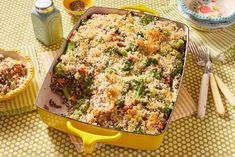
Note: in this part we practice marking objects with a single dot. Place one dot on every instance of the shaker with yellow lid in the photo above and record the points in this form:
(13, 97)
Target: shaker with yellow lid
(47, 22)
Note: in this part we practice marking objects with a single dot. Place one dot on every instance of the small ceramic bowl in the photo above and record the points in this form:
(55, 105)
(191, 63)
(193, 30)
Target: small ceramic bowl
(69, 6)
(212, 11)
(204, 25)
(17, 55)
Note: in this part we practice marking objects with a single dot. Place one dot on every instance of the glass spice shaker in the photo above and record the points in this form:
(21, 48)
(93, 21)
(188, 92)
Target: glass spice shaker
(47, 22)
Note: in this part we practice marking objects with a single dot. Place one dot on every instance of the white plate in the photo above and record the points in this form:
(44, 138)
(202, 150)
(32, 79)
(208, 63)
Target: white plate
(203, 25)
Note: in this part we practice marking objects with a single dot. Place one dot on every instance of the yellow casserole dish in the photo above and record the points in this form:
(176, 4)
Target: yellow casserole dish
(54, 116)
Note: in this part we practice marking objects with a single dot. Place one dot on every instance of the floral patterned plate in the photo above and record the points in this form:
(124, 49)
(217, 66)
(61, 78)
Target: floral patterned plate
(213, 11)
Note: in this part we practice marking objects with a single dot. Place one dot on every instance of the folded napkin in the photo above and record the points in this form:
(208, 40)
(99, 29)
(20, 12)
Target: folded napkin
(24, 102)
(185, 105)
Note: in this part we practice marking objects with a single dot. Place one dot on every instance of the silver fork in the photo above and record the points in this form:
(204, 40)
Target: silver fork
(214, 89)
(202, 59)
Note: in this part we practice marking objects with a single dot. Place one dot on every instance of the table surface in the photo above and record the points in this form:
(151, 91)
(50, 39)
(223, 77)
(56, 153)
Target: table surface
(27, 135)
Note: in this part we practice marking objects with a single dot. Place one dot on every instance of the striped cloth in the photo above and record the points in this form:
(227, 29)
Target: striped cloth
(185, 105)
(25, 101)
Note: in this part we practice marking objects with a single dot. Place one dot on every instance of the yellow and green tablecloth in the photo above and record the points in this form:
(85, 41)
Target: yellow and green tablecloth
(26, 135)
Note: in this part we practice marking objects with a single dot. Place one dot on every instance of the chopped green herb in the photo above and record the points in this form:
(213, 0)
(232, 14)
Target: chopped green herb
(128, 65)
(156, 74)
(66, 93)
(140, 34)
(107, 63)
(178, 69)
(145, 20)
(149, 61)
(122, 53)
(109, 50)
(136, 84)
(130, 27)
(82, 105)
(59, 69)
(120, 103)
(145, 104)
(116, 127)
(153, 92)
(78, 113)
(110, 70)
(71, 45)
(141, 91)
(101, 40)
(170, 50)
(140, 129)
(179, 56)
(80, 102)
(88, 82)
(115, 51)
(179, 43)
(131, 47)
(83, 22)
(85, 107)
(112, 26)
(126, 88)
(159, 52)
(167, 107)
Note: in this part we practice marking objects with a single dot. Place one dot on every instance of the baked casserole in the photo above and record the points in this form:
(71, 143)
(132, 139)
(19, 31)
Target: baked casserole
(121, 72)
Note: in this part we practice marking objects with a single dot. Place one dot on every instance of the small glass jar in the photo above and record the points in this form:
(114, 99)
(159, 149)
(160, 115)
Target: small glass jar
(47, 22)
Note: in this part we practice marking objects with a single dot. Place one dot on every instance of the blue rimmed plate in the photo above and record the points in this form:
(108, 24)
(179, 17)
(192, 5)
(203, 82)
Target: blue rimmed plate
(212, 11)
(202, 24)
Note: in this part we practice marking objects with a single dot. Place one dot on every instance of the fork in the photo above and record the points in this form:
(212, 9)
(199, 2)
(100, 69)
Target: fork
(215, 91)
(202, 59)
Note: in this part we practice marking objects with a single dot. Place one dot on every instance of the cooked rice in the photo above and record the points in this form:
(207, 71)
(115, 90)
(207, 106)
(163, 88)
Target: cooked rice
(12, 74)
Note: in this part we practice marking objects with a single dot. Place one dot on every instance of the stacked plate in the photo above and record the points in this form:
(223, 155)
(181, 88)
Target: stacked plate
(208, 15)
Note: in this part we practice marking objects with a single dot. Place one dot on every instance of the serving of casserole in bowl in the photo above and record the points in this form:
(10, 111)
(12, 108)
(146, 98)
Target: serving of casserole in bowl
(116, 78)
(16, 73)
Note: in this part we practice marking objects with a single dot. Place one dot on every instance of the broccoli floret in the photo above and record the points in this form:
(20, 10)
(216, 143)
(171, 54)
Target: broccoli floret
(149, 61)
(128, 65)
(83, 22)
(115, 51)
(156, 74)
(139, 129)
(131, 47)
(178, 56)
(59, 69)
(167, 107)
(82, 105)
(140, 34)
(178, 69)
(71, 45)
(145, 20)
(66, 93)
(141, 90)
(179, 43)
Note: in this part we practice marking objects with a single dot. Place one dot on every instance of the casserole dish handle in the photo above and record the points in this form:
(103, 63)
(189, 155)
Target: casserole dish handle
(141, 8)
(90, 139)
